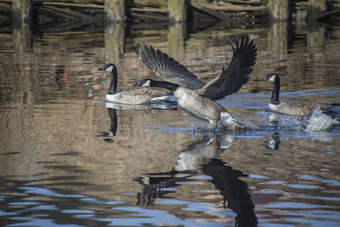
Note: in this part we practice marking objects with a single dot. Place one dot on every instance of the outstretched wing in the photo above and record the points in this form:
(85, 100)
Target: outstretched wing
(167, 68)
(232, 79)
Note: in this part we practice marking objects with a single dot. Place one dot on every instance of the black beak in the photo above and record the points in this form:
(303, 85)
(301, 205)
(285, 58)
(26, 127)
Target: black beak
(101, 69)
(263, 79)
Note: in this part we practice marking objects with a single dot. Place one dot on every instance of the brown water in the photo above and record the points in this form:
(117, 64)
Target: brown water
(68, 160)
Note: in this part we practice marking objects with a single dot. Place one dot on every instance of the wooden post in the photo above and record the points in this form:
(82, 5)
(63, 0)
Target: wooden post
(176, 11)
(115, 10)
(279, 9)
(21, 12)
(22, 21)
(315, 9)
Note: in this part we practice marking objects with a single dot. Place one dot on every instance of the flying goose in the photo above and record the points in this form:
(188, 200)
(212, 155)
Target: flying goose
(133, 95)
(192, 95)
(299, 107)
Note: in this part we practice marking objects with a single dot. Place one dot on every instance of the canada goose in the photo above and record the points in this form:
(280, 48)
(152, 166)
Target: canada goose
(199, 103)
(133, 95)
(300, 107)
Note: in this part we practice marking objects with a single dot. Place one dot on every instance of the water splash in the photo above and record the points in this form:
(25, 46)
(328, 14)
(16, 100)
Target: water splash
(250, 126)
(319, 121)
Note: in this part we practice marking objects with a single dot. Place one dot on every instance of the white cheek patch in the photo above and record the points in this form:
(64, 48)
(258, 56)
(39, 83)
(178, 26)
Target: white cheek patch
(272, 78)
(146, 84)
(109, 69)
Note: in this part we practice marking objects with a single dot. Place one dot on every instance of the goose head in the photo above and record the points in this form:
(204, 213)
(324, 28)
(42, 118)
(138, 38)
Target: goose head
(271, 77)
(143, 83)
(275, 79)
(107, 67)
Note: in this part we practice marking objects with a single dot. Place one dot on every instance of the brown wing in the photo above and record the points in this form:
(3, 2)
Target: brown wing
(300, 106)
(167, 68)
(237, 74)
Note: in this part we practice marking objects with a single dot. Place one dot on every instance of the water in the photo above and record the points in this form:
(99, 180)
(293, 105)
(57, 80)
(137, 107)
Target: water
(68, 158)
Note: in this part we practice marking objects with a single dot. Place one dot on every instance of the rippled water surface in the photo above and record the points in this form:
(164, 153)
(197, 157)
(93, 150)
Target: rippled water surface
(69, 158)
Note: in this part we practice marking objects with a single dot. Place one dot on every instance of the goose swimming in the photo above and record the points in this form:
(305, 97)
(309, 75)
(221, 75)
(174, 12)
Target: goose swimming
(299, 107)
(133, 95)
(192, 95)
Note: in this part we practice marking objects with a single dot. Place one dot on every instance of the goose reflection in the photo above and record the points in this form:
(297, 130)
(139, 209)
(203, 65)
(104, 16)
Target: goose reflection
(113, 126)
(274, 142)
(132, 109)
(202, 158)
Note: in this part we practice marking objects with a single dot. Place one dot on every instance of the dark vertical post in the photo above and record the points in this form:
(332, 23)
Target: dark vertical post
(21, 12)
(22, 23)
(279, 9)
(115, 10)
(176, 11)
(315, 9)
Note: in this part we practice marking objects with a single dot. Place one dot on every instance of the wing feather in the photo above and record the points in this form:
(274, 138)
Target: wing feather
(237, 74)
(166, 68)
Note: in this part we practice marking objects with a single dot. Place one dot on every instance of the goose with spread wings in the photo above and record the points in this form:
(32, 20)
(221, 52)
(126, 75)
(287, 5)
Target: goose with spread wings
(193, 96)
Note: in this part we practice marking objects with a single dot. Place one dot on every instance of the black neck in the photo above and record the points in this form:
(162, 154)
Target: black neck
(276, 91)
(113, 84)
(163, 84)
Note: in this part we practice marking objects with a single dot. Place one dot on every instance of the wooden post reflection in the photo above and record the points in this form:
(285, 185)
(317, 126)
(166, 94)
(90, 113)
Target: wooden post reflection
(176, 40)
(315, 9)
(277, 40)
(22, 38)
(317, 57)
(315, 39)
(114, 41)
(278, 9)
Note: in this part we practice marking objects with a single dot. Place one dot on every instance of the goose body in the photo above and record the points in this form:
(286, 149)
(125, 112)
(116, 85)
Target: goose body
(295, 107)
(196, 101)
(203, 108)
(192, 102)
(136, 95)
(298, 107)
(133, 95)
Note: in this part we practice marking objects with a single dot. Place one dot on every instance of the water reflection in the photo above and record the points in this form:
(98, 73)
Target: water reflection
(138, 110)
(57, 170)
(274, 142)
(113, 126)
(114, 41)
(202, 157)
